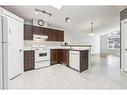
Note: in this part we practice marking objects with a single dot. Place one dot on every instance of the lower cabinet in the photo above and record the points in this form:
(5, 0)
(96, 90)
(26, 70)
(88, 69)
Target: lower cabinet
(84, 62)
(29, 60)
(64, 56)
(59, 56)
(54, 55)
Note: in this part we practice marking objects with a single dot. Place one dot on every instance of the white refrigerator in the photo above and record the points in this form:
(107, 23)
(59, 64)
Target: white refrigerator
(11, 47)
(1, 65)
(3, 59)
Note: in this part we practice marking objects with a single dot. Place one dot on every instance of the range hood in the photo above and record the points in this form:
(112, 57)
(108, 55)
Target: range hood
(39, 37)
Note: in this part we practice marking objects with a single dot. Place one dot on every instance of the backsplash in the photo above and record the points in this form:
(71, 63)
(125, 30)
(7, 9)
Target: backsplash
(28, 43)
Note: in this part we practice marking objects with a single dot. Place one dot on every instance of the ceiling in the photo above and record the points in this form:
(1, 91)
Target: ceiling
(105, 18)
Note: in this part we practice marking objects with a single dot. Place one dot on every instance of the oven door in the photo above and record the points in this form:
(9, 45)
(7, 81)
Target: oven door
(41, 55)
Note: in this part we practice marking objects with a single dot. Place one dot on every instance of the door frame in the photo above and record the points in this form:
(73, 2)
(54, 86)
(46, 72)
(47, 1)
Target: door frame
(122, 44)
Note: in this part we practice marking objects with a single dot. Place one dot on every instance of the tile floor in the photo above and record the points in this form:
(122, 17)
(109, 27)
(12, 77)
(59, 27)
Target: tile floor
(104, 74)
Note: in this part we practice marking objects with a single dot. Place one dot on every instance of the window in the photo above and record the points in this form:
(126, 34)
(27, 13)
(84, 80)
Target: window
(113, 40)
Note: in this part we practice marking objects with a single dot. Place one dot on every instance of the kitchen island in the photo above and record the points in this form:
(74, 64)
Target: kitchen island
(75, 57)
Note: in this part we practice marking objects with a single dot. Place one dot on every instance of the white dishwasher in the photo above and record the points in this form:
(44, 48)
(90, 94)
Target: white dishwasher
(74, 61)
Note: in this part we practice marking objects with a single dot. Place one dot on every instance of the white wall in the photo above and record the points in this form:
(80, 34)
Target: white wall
(103, 47)
(77, 37)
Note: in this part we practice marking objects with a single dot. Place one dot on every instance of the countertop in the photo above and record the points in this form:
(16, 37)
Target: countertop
(78, 45)
(77, 48)
(28, 48)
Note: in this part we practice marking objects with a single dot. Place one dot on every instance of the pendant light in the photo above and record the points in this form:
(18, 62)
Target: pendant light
(91, 29)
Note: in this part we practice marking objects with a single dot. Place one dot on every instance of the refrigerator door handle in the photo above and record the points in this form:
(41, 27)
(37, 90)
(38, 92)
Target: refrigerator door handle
(9, 31)
(20, 50)
(4, 50)
(1, 65)
(5, 29)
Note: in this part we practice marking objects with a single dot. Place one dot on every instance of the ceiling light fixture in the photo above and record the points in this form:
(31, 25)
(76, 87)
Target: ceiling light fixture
(91, 29)
(57, 6)
(67, 19)
(42, 11)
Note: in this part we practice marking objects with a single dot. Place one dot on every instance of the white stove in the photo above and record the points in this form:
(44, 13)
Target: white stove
(42, 56)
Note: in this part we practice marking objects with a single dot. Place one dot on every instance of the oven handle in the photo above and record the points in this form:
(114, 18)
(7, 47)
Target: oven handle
(42, 60)
(36, 49)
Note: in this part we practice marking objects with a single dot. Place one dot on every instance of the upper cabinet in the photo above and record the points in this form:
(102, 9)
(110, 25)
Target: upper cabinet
(28, 32)
(39, 30)
(61, 36)
(53, 34)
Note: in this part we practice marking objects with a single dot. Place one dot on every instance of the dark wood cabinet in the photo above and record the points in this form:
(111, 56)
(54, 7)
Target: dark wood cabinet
(64, 56)
(61, 36)
(84, 56)
(53, 34)
(54, 56)
(39, 30)
(59, 56)
(28, 32)
(29, 60)
(50, 34)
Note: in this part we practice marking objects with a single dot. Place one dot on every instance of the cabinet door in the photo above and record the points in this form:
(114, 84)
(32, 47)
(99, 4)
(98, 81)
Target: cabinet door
(36, 30)
(56, 35)
(84, 60)
(51, 34)
(29, 60)
(61, 36)
(28, 32)
(39, 30)
(44, 31)
(54, 56)
(64, 56)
